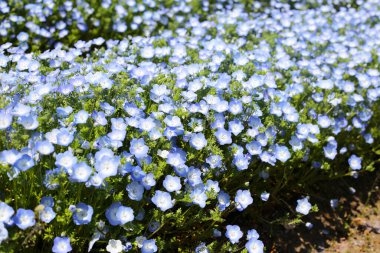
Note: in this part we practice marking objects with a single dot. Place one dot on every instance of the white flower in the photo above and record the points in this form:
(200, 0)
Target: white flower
(114, 246)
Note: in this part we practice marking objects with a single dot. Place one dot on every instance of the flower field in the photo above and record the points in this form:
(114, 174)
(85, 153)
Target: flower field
(175, 126)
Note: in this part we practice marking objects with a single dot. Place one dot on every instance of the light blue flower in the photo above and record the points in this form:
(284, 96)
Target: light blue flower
(6, 212)
(162, 200)
(223, 136)
(149, 246)
(172, 183)
(82, 214)
(198, 141)
(355, 162)
(138, 148)
(62, 245)
(24, 163)
(243, 199)
(135, 191)
(24, 218)
(234, 233)
(47, 214)
(124, 214)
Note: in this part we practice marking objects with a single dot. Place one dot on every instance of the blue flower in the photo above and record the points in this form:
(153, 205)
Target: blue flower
(6, 212)
(243, 199)
(234, 233)
(124, 214)
(254, 246)
(81, 172)
(215, 161)
(3, 232)
(81, 117)
(44, 147)
(107, 166)
(5, 119)
(135, 191)
(162, 200)
(65, 160)
(47, 214)
(223, 200)
(24, 218)
(282, 153)
(303, 206)
(82, 214)
(24, 163)
(172, 183)
(199, 196)
(62, 245)
(198, 141)
(149, 246)
(241, 162)
(138, 148)
(223, 136)
(355, 162)
(111, 214)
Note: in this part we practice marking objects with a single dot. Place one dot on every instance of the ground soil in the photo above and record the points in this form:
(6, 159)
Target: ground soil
(352, 226)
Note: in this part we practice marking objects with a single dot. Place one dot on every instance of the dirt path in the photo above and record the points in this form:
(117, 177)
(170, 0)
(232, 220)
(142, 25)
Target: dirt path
(352, 226)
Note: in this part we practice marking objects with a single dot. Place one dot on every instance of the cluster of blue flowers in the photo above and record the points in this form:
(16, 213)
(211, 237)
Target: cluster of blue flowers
(125, 140)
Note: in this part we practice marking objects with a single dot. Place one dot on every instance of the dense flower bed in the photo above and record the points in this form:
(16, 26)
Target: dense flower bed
(171, 142)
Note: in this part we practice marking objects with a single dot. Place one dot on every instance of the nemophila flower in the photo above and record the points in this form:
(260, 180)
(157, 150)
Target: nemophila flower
(254, 246)
(282, 153)
(176, 159)
(324, 121)
(3, 232)
(223, 200)
(194, 176)
(241, 162)
(234, 233)
(115, 246)
(148, 181)
(149, 246)
(24, 218)
(64, 137)
(223, 136)
(44, 147)
(162, 200)
(24, 163)
(355, 162)
(264, 196)
(65, 160)
(82, 214)
(252, 234)
(21, 110)
(111, 214)
(99, 118)
(172, 183)
(215, 161)
(6, 212)
(81, 117)
(138, 148)
(62, 245)
(235, 127)
(330, 149)
(198, 141)
(107, 166)
(29, 122)
(303, 206)
(135, 191)
(47, 214)
(202, 248)
(124, 214)
(243, 199)
(64, 112)
(199, 196)
(254, 148)
(81, 172)
(47, 201)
